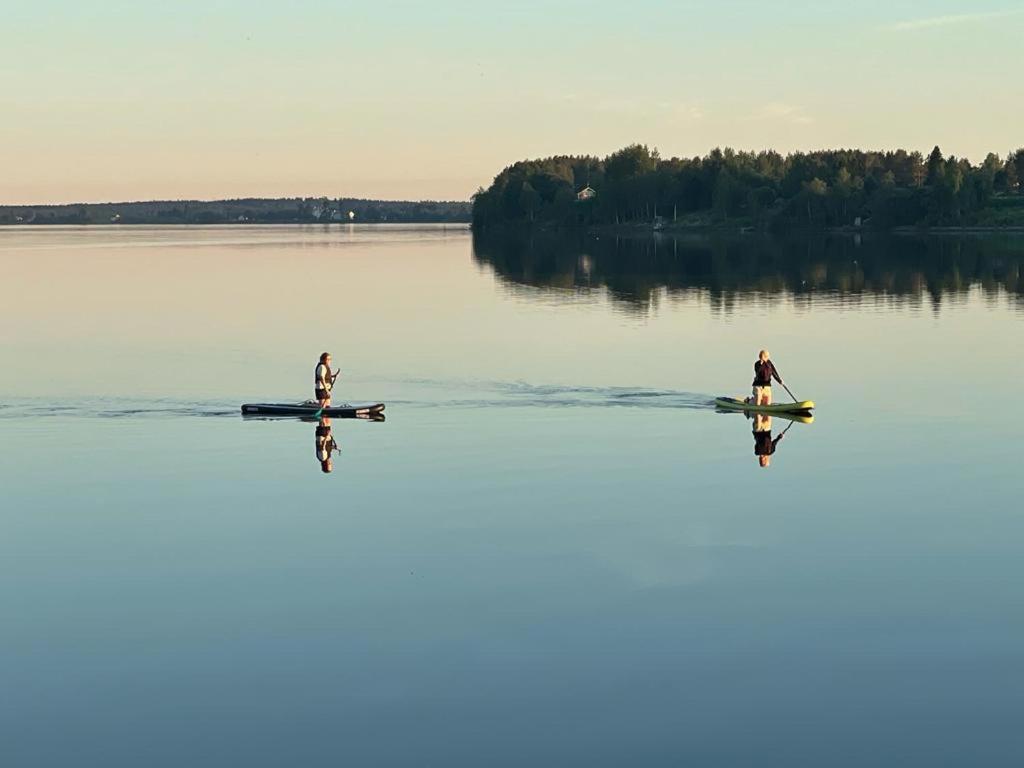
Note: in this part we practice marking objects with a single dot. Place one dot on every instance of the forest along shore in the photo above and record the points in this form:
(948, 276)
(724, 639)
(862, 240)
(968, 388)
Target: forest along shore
(635, 188)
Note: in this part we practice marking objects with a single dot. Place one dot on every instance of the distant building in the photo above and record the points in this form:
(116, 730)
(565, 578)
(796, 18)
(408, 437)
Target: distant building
(115, 218)
(587, 193)
(351, 215)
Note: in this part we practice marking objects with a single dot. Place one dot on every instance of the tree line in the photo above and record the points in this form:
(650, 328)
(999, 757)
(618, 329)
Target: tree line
(765, 190)
(308, 210)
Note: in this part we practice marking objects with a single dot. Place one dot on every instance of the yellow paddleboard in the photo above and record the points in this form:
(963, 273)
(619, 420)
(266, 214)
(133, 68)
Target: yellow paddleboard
(736, 404)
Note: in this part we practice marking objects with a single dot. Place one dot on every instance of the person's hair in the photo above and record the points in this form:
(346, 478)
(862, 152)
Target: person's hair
(324, 356)
(325, 466)
(763, 354)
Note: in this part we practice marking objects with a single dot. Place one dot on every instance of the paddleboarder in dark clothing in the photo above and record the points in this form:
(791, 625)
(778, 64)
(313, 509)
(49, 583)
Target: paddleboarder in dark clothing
(764, 372)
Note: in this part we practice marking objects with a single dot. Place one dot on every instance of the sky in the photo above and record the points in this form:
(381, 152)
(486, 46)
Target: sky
(397, 99)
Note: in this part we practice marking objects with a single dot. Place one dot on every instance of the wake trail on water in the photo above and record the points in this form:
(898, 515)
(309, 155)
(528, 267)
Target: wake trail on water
(521, 394)
(110, 408)
(418, 393)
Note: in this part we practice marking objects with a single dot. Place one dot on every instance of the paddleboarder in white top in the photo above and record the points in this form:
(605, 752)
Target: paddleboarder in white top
(323, 381)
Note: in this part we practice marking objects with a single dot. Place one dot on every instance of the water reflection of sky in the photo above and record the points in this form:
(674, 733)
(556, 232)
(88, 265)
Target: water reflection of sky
(553, 543)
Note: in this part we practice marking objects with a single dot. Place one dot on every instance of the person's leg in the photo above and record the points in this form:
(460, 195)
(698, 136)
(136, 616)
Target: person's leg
(767, 395)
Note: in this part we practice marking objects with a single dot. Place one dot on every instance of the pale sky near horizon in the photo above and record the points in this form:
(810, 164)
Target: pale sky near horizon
(408, 100)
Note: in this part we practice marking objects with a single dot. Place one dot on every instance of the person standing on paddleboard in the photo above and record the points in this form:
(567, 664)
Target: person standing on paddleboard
(764, 372)
(323, 380)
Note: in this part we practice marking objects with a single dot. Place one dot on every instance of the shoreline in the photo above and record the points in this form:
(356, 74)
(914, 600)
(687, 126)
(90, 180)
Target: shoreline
(710, 229)
(230, 224)
(644, 228)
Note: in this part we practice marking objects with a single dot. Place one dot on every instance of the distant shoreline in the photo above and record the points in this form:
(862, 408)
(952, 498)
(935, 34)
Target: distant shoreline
(645, 228)
(305, 210)
(237, 225)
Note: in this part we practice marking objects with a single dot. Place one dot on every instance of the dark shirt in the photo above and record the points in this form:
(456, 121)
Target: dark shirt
(764, 373)
(763, 443)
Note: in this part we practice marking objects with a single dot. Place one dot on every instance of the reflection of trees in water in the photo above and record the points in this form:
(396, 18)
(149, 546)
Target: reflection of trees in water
(730, 271)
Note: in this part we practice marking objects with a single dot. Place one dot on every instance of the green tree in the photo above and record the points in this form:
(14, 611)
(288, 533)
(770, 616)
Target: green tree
(1017, 161)
(721, 198)
(814, 192)
(759, 201)
(990, 168)
(529, 200)
(934, 168)
(846, 190)
(635, 160)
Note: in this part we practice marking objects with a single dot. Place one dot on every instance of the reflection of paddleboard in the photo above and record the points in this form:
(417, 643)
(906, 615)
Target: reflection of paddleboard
(311, 409)
(735, 404)
(800, 417)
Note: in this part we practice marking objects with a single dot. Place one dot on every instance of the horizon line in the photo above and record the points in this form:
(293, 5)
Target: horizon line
(226, 200)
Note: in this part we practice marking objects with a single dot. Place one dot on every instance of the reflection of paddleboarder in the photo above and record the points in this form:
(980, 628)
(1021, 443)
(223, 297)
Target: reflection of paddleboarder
(764, 445)
(325, 445)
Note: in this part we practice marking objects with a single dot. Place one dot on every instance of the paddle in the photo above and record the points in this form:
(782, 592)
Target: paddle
(790, 393)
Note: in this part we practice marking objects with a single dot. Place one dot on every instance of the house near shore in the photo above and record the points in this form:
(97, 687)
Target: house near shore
(587, 193)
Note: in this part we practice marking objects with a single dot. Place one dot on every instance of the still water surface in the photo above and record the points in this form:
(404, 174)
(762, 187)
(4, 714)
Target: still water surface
(552, 552)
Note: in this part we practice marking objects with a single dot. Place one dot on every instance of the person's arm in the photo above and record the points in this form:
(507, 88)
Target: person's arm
(320, 383)
(775, 373)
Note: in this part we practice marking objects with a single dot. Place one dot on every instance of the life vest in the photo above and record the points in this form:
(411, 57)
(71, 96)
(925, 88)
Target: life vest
(328, 384)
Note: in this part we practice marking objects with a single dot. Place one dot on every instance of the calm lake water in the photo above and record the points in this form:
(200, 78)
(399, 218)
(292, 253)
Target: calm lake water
(553, 551)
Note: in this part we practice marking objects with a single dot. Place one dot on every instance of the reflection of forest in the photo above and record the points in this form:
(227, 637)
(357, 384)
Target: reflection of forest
(733, 270)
